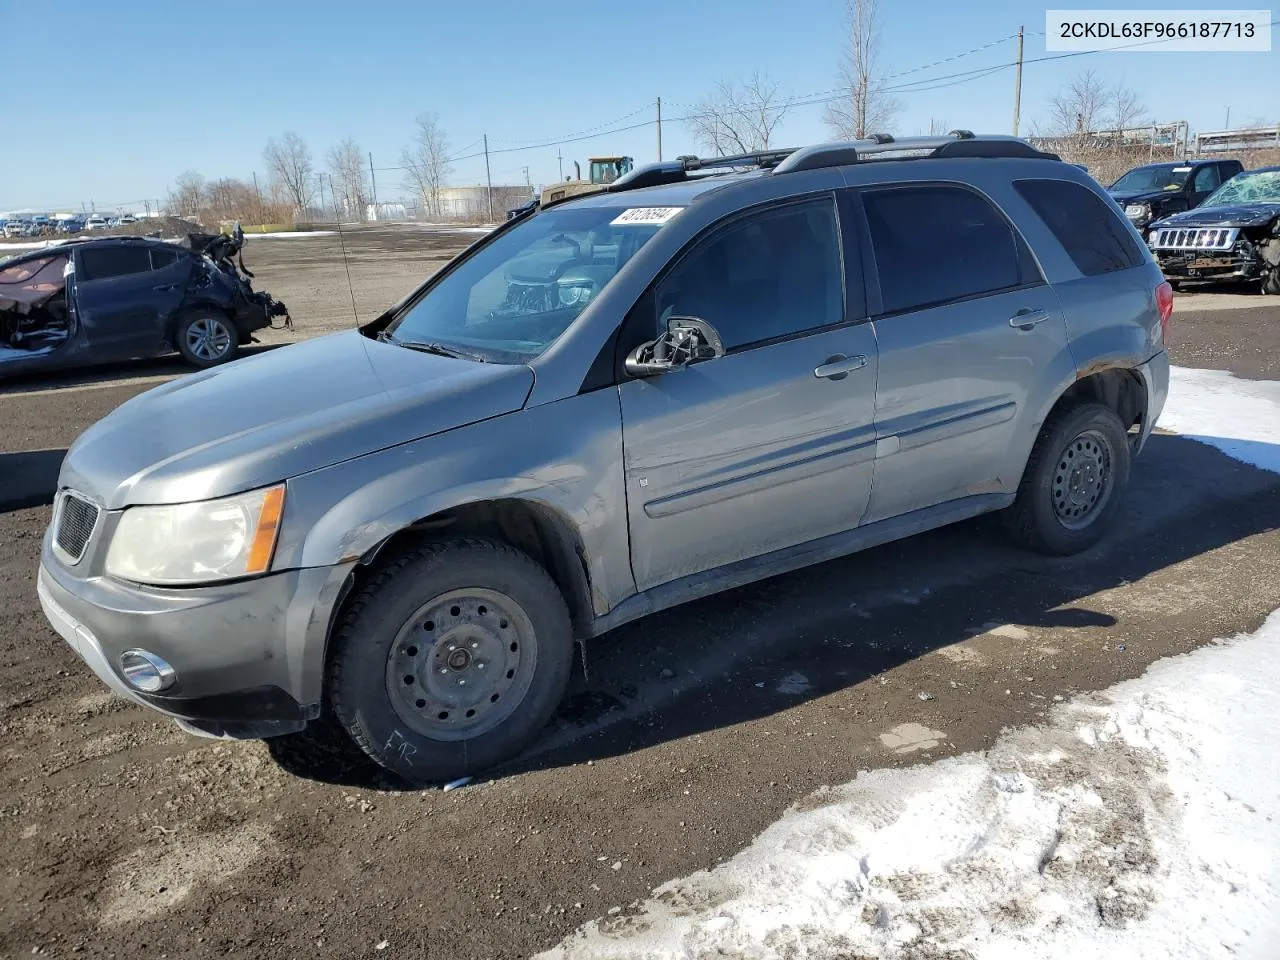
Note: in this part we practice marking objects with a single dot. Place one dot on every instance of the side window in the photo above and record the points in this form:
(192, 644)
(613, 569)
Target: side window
(934, 244)
(162, 258)
(1091, 232)
(103, 263)
(771, 274)
(1207, 179)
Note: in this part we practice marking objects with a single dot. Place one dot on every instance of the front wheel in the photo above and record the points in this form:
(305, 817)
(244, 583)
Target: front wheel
(451, 659)
(1271, 281)
(206, 338)
(1073, 483)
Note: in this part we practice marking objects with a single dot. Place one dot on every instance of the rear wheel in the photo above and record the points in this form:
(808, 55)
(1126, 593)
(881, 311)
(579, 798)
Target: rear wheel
(451, 659)
(1073, 483)
(206, 338)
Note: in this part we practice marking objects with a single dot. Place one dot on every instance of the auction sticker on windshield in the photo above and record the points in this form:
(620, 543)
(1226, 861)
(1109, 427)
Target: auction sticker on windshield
(645, 215)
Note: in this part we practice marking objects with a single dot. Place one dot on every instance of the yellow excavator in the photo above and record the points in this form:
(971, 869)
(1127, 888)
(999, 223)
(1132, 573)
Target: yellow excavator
(603, 171)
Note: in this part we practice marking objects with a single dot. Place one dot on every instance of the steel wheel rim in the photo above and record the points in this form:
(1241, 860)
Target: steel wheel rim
(461, 664)
(1082, 480)
(208, 338)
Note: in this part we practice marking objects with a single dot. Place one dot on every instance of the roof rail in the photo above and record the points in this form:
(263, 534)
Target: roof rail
(678, 170)
(957, 143)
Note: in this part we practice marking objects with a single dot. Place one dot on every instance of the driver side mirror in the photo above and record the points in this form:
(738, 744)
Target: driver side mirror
(687, 340)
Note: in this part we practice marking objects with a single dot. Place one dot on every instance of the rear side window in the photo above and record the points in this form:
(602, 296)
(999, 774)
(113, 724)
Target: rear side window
(1207, 179)
(103, 263)
(162, 258)
(1093, 235)
(935, 243)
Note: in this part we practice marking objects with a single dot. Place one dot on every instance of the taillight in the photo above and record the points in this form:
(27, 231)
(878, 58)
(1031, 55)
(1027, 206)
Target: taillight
(1164, 303)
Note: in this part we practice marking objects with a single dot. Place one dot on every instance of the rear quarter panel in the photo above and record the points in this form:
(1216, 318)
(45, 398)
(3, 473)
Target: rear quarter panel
(1111, 320)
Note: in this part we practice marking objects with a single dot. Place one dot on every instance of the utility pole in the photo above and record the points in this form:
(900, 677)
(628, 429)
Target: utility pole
(320, 177)
(528, 182)
(1226, 124)
(1017, 87)
(659, 129)
(374, 181)
(488, 177)
(560, 161)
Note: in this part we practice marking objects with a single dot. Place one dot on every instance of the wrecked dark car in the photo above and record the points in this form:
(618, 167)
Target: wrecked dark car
(1233, 235)
(91, 301)
(1158, 190)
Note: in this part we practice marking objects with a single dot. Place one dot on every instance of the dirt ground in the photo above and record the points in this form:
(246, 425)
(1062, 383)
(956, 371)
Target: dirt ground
(683, 735)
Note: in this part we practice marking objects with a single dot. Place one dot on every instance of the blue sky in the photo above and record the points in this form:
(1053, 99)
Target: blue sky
(144, 89)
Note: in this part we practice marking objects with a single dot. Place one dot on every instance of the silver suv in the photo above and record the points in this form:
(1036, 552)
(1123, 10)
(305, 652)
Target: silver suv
(707, 373)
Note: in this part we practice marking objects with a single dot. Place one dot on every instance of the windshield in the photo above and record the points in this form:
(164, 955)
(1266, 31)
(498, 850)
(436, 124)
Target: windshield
(1145, 179)
(1263, 187)
(511, 299)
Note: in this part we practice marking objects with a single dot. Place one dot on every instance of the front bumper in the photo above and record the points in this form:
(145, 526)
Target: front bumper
(249, 656)
(1207, 264)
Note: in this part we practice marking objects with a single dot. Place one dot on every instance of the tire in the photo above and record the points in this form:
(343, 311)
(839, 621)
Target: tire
(433, 620)
(207, 338)
(1051, 516)
(1271, 281)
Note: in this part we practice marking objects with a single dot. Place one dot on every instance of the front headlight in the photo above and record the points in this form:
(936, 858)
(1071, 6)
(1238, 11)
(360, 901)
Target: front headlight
(190, 543)
(1137, 211)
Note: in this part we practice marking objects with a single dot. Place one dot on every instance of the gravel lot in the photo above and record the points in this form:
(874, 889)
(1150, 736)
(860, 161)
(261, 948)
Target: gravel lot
(686, 734)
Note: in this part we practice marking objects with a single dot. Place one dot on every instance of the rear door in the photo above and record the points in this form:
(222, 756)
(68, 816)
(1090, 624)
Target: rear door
(966, 327)
(124, 296)
(770, 445)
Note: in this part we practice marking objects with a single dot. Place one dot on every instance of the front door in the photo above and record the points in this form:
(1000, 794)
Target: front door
(772, 444)
(967, 328)
(123, 298)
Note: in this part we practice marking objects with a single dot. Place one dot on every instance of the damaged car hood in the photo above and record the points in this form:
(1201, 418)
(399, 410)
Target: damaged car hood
(1234, 215)
(281, 414)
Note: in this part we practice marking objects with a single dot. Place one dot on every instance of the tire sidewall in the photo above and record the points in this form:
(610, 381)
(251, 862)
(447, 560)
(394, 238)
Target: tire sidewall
(358, 682)
(180, 337)
(1055, 536)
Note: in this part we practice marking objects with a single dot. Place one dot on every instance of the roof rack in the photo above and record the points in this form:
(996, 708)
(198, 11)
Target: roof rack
(678, 170)
(957, 143)
(875, 146)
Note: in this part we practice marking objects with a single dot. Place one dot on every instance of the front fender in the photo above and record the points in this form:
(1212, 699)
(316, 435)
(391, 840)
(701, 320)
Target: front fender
(564, 456)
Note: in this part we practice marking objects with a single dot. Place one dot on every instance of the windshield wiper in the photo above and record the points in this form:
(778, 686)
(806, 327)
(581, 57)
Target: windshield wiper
(425, 347)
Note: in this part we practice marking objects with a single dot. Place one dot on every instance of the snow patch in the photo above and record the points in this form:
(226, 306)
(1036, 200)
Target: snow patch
(1137, 823)
(1239, 417)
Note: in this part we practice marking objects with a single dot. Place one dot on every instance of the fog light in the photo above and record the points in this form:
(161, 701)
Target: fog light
(146, 672)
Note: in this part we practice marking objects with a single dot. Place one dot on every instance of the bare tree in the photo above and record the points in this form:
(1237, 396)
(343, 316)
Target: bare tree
(738, 117)
(187, 194)
(1124, 109)
(346, 163)
(426, 161)
(289, 161)
(1080, 106)
(866, 106)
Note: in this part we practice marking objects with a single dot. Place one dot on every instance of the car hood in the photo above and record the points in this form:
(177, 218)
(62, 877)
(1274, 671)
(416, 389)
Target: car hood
(1232, 215)
(1140, 196)
(280, 414)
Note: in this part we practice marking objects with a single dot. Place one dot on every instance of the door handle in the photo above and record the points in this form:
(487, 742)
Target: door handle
(839, 366)
(1026, 319)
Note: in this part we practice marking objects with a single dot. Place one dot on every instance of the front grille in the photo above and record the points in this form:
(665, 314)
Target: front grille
(76, 519)
(1211, 238)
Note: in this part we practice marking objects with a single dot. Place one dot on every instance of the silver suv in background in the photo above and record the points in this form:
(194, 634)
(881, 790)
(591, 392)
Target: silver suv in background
(710, 372)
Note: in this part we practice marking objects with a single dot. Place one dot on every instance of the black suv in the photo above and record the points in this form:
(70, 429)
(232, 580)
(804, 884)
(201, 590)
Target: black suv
(1157, 190)
(92, 301)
